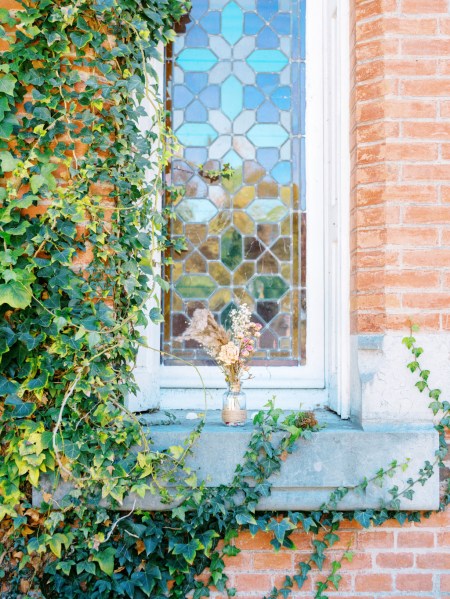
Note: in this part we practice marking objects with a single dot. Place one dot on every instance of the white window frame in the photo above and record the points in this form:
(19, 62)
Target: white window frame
(175, 387)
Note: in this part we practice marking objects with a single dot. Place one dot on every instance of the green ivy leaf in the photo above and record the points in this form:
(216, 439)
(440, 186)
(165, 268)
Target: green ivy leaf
(7, 84)
(8, 162)
(81, 39)
(15, 294)
(105, 559)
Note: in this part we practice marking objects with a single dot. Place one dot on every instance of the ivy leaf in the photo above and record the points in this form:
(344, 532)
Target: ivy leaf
(15, 294)
(21, 409)
(7, 84)
(8, 161)
(364, 518)
(280, 528)
(80, 39)
(188, 550)
(37, 383)
(105, 559)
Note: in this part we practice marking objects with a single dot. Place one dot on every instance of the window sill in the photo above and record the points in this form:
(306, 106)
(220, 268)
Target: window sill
(341, 454)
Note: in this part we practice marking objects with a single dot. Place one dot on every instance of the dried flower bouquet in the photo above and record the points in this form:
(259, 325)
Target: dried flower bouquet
(231, 349)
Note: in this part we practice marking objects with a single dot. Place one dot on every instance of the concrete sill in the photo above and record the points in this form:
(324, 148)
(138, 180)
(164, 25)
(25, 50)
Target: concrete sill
(341, 454)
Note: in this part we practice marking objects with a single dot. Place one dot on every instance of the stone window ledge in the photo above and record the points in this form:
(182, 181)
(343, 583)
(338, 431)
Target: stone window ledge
(341, 454)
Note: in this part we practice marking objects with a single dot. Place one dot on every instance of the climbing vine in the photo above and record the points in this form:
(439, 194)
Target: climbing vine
(81, 235)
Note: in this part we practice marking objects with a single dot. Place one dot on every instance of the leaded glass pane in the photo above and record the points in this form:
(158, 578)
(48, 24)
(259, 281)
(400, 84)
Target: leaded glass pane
(236, 95)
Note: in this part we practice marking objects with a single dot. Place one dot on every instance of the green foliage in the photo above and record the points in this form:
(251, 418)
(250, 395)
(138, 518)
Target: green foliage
(77, 273)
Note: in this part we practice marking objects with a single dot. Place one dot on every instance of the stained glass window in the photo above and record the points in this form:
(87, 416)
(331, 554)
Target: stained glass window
(236, 95)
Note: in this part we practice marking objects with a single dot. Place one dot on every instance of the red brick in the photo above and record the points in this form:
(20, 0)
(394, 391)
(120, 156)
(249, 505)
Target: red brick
(414, 582)
(424, 7)
(273, 561)
(395, 561)
(426, 87)
(433, 561)
(373, 582)
(253, 582)
(376, 538)
(413, 538)
(427, 172)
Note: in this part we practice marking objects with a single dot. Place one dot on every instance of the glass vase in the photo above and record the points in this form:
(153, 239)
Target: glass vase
(234, 411)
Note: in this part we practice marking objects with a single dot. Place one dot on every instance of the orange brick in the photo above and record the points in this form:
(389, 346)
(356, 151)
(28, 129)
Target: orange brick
(374, 8)
(433, 561)
(401, 26)
(426, 87)
(424, 7)
(414, 582)
(395, 561)
(273, 561)
(253, 582)
(445, 582)
(373, 582)
(431, 258)
(427, 172)
(428, 215)
(429, 301)
(411, 151)
(413, 538)
(377, 131)
(427, 130)
(405, 109)
(426, 47)
(377, 48)
(413, 67)
(408, 236)
(260, 541)
(376, 538)
(412, 278)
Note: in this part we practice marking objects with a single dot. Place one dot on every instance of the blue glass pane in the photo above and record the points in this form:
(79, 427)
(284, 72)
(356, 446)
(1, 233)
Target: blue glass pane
(233, 159)
(196, 37)
(282, 172)
(181, 96)
(196, 134)
(232, 23)
(211, 96)
(266, 60)
(267, 136)
(267, 157)
(211, 22)
(267, 113)
(282, 97)
(196, 113)
(196, 59)
(252, 97)
(282, 24)
(198, 8)
(231, 97)
(196, 81)
(268, 83)
(267, 8)
(252, 23)
(267, 39)
(196, 155)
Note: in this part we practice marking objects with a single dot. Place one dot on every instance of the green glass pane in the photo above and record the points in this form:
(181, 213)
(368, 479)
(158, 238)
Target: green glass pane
(268, 211)
(196, 211)
(195, 286)
(267, 287)
(231, 248)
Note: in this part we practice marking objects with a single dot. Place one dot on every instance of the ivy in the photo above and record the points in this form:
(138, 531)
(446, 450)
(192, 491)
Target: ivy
(79, 245)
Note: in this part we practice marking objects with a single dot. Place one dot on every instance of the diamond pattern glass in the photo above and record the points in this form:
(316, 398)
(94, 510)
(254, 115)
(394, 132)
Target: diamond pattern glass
(236, 95)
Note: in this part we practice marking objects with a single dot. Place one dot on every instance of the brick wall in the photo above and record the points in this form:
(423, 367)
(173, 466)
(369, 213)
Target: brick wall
(400, 139)
(391, 561)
